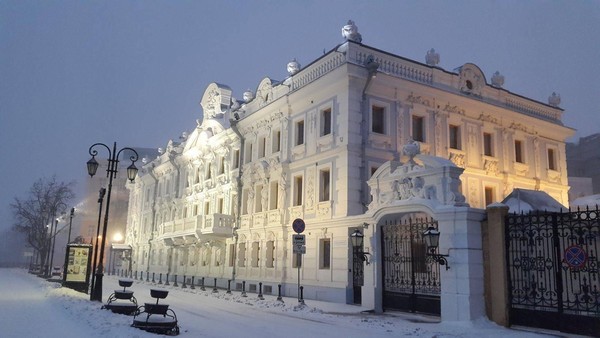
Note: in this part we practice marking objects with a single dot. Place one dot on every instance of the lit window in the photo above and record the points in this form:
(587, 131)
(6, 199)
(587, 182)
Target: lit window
(297, 190)
(489, 196)
(378, 120)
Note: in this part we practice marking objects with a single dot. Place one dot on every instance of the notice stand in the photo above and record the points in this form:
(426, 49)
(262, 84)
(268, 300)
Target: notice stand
(78, 263)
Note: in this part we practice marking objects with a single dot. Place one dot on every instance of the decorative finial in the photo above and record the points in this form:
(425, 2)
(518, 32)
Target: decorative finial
(248, 96)
(554, 99)
(161, 151)
(432, 58)
(293, 67)
(497, 79)
(183, 136)
(350, 32)
(411, 149)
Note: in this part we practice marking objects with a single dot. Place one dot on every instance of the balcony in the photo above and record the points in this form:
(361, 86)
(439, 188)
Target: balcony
(217, 225)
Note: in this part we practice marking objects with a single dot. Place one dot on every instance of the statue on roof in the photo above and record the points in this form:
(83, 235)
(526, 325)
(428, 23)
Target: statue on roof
(350, 32)
(432, 58)
(293, 67)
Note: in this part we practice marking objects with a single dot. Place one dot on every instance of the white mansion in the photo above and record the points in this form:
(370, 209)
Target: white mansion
(328, 145)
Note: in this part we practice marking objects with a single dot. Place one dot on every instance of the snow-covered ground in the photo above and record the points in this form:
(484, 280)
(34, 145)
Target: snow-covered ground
(33, 307)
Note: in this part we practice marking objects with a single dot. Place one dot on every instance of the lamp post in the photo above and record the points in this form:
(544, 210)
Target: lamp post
(111, 172)
(357, 239)
(70, 224)
(431, 236)
(101, 194)
(53, 245)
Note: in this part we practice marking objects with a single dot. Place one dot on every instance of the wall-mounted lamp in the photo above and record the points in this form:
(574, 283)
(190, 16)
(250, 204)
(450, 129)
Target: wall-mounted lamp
(357, 239)
(431, 236)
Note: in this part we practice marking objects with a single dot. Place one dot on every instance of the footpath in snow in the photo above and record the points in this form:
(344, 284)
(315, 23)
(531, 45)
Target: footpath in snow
(33, 307)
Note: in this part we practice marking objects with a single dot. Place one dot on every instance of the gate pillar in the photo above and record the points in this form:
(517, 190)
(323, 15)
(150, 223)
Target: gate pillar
(462, 297)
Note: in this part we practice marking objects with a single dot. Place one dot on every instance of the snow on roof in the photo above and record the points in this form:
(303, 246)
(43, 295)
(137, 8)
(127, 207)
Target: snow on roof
(524, 200)
(586, 201)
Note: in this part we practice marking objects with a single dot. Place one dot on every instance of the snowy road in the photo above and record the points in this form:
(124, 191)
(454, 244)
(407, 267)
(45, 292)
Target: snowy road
(33, 307)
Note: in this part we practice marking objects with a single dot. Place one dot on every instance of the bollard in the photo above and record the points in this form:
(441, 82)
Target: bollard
(260, 295)
(183, 286)
(192, 286)
(167, 280)
(244, 289)
(142, 275)
(121, 270)
(147, 276)
(160, 280)
(175, 282)
(279, 298)
(202, 285)
(135, 275)
(229, 286)
(153, 282)
(215, 287)
(301, 300)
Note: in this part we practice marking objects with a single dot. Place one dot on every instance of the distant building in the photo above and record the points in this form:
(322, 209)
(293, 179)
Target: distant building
(360, 141)
(583, 161)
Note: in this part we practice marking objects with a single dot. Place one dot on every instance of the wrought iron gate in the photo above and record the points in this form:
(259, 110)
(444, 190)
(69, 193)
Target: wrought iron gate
(552, 261)
(411, 282)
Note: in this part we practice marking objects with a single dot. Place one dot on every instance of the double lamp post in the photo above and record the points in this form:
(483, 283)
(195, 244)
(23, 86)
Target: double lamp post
(111, 172)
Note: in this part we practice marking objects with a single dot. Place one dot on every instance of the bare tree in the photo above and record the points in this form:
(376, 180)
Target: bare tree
(47, 198)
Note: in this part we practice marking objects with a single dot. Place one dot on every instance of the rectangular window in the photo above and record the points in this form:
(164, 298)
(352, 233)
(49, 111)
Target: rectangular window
(297, 190)
(206, 208)
(231, 254)
(220, 206)
(255, 254)
(551, 160)
(245, 194)
(208, 171)
(274, 196)
(242, 255)
(518, 151)
(326, 122)
(262, 143)
(248, 155)
(454, 137)
(324, 253)
(270, 260)
(378, 120)
(195, 210)
(487, 144)
(489, 196)
(236, 158)
(276, 146)
(258, 207)
(221, 165)
(300, 132)
(418, 128)
(324, 185)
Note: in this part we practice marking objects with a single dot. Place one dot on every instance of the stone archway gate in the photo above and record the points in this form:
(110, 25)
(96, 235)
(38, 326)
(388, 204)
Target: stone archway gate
(401, 277)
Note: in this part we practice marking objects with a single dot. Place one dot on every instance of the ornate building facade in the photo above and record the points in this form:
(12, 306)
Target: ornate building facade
(327, 145)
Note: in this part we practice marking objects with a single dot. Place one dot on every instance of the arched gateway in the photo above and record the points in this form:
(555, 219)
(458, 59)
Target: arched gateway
(408, 197)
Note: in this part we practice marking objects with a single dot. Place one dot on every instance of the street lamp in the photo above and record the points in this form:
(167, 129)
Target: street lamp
(357, 239)
(70, 224)
(431, 236)
(101, 194)
(111, 172)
